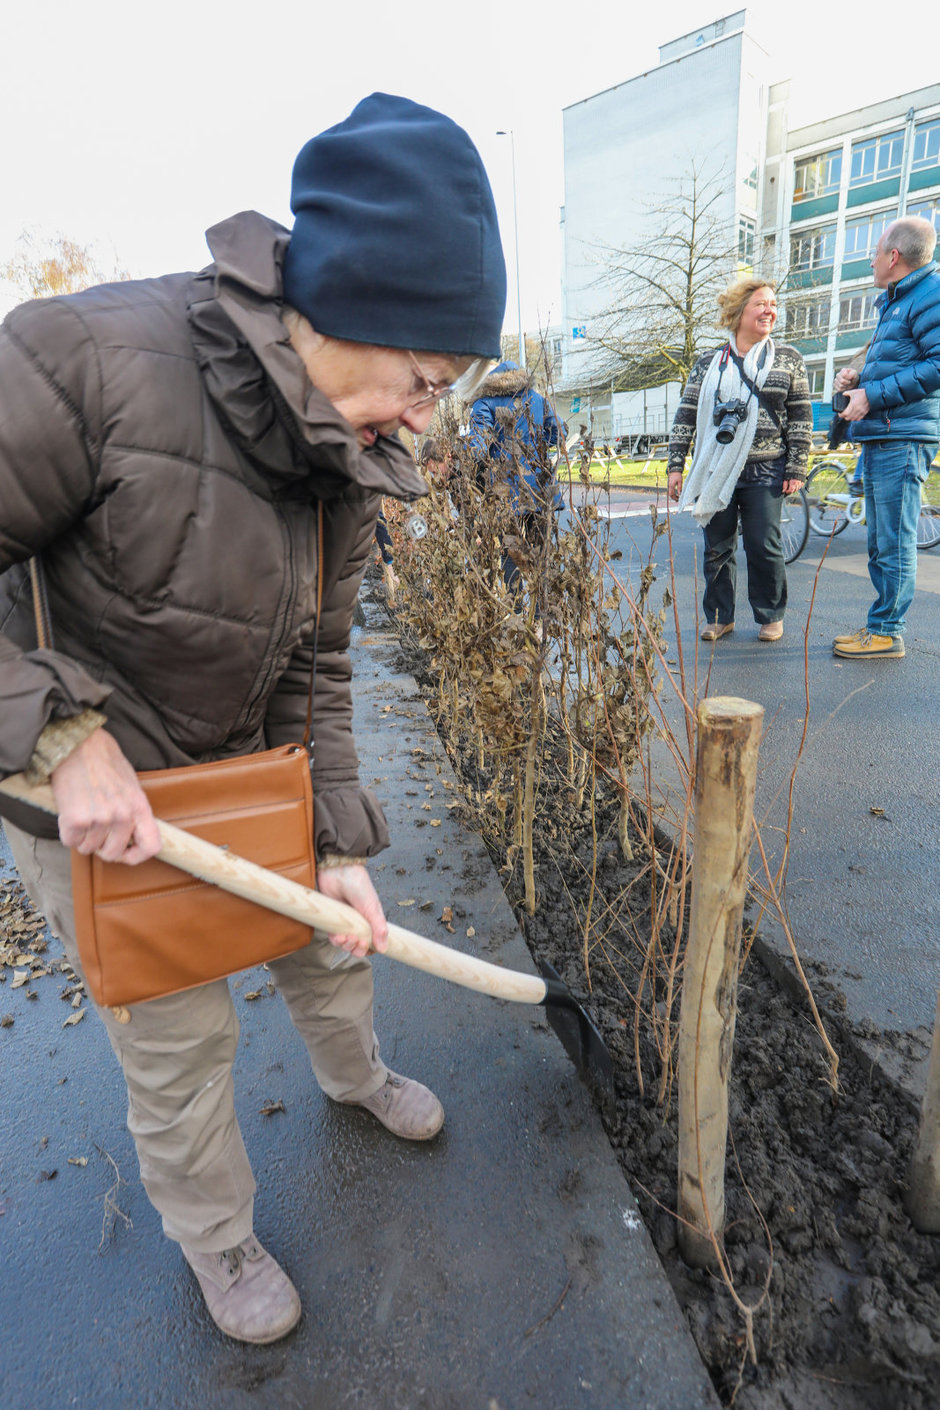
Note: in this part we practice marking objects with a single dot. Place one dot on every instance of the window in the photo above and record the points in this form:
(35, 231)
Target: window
(817, 176)
(858, 311)
(863, 234)
(926, 145)
(813, 249)
(817, 380)
(807, 318)
(928, 210)
(747, 239)
(876, 158)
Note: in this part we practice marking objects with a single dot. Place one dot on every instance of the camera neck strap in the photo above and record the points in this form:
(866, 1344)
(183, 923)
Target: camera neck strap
(728, 352)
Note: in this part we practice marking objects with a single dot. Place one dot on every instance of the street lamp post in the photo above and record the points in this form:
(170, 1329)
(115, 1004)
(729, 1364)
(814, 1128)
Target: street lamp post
(515, 222)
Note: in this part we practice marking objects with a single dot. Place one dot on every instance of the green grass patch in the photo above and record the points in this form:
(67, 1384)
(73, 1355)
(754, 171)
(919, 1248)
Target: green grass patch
(651, 474)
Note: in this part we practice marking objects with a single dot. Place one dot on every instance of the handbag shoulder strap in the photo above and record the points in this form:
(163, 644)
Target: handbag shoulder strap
(308, 732)
(44, 638)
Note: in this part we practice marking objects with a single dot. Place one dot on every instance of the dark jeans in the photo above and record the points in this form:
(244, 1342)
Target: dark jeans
(532, 527)
(759, 509)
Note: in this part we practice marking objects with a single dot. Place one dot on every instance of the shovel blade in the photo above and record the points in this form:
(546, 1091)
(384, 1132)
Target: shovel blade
(581, 1040)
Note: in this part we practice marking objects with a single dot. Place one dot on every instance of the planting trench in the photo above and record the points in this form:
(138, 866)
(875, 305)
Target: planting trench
(816, 1231)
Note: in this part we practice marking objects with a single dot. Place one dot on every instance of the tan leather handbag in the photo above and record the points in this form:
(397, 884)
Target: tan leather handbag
(150, 930)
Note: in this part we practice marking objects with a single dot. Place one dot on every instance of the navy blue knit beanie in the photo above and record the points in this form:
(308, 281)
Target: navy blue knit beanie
(395, 237)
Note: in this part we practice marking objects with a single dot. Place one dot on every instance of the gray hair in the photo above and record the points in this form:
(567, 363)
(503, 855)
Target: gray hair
(914, 238)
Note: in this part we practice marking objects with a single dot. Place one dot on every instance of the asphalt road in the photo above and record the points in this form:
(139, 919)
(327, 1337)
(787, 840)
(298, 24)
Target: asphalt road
(501, 1266)
(861, 886)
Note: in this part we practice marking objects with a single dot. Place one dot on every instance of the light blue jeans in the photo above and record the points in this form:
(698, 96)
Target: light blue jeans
(893, 472)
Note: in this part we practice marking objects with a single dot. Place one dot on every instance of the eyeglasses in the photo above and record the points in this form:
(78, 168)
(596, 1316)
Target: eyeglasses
(434, 392)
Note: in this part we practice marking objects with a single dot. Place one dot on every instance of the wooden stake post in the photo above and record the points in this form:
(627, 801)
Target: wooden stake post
(923, 1191)
(725, 777)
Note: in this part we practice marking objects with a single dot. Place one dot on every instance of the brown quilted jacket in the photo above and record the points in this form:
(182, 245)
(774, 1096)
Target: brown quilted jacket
(163, 449)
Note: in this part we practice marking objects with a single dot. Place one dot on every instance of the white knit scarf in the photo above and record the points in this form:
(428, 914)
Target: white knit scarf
(715, 467)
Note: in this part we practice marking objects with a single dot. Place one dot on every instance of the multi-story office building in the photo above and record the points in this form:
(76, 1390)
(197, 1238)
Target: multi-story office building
(803, 206)
(830, 190)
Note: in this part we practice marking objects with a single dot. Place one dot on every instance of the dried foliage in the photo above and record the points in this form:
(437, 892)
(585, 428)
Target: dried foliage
(570, 658)
(43, 268)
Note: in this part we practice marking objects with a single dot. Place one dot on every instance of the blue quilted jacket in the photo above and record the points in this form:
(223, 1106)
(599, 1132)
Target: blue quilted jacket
(515, 429)
(901, 376)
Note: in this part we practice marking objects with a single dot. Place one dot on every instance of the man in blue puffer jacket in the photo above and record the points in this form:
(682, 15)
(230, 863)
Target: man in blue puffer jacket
(513, 430)
(894, 410)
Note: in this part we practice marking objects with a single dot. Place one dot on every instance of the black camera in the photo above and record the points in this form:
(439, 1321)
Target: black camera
(840, 401)
(728, 416)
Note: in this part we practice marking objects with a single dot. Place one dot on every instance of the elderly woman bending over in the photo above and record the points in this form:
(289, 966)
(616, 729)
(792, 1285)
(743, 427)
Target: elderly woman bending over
(746, 409)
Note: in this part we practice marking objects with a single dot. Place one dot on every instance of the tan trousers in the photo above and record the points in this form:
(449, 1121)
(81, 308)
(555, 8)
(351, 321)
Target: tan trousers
(177, 1055)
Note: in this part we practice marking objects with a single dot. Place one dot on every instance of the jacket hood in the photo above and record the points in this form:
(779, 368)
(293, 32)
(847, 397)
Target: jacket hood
(285, 425)
(506, 380)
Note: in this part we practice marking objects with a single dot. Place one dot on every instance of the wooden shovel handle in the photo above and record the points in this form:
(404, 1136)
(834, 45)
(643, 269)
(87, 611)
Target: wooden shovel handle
(267, 888)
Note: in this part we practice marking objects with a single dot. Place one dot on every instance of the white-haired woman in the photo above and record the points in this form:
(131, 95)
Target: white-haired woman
(746, 410)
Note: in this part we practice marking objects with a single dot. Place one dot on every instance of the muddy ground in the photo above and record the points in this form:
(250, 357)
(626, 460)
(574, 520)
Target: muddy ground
(851, 1316)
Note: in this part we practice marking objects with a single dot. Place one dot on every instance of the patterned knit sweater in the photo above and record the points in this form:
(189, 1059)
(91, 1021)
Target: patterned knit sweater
(786, 390)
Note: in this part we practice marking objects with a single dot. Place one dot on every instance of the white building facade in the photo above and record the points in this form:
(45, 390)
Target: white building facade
(625, 151)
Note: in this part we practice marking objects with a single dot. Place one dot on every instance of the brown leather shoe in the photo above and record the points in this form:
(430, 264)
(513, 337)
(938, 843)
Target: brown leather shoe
(716, 630)
(770, 631)
(406, 1108)
(249, 1296)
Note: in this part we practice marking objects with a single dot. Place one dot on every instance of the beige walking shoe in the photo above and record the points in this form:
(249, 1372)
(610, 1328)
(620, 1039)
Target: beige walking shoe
(770, 631)
(406, 1108)
(716, 630)
(249, 1296)
(844, 637)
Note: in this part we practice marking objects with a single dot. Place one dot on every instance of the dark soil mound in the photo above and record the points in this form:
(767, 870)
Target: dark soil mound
(814, 1180)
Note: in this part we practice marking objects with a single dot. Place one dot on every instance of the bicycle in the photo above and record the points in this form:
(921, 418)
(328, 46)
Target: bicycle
(836, 499)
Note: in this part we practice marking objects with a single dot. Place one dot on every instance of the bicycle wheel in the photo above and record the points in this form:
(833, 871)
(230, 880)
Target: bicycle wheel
(928, 527)
(794, 525)
(827, 490)
(928, 524)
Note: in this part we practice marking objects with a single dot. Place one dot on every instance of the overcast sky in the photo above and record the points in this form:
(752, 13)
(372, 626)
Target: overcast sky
(134, 128)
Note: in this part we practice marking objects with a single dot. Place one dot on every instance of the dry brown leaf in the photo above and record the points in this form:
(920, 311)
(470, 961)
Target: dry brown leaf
(78, 1160)
(74, 1018)
(409, 902)
(470, 932)
(6, 1021)
(272, 1107)
(20, 977)
(435, 822)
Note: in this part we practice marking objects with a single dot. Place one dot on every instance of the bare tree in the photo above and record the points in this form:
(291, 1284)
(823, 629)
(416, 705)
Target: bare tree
(662, 308)
(42, 268)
